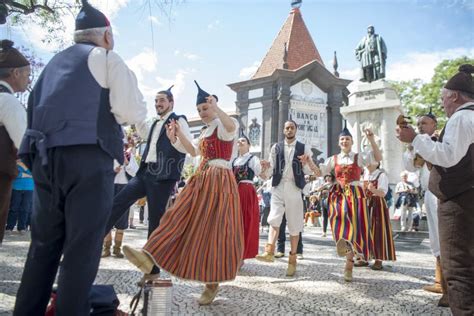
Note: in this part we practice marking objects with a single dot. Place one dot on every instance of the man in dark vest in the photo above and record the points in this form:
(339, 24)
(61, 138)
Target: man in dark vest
(288, 161)
(452, 181)
(14, 77)
(160, 168)
(73, 136)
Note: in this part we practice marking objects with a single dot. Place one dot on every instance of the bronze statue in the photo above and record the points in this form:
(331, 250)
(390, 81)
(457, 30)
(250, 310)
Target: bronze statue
(372, 53)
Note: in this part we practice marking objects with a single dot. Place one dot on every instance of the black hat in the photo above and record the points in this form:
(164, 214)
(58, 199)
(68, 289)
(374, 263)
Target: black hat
(10, 57)
(203, 95)
(462, 81)
(89, 18)
(168, 92)
(345, 131)
(242, 135)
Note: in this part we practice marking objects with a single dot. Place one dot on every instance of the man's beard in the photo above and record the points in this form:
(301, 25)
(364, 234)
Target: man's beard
(290, 138)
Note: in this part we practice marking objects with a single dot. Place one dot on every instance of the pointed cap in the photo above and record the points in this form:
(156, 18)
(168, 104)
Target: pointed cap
(462, 81)
(10, 57)
(202, 95)
(345, 131)
(431, 115)
(168, 92)
(89, 17)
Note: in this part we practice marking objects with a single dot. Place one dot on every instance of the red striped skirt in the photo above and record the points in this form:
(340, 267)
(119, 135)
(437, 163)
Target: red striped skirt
(251, 219)
(384, 248)
(200, 237)
(349, 218)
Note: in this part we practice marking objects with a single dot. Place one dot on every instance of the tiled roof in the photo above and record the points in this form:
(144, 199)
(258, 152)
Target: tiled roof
(300, 46)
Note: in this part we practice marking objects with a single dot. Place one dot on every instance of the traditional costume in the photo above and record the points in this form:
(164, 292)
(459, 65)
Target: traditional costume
(73, 136)
(348, 209)
(452, 182)
(200, 238)
(245, 168)
(12, 128)
(380, 226)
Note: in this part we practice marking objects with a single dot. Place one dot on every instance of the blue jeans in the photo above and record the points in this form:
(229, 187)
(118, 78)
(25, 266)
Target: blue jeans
(20, 209)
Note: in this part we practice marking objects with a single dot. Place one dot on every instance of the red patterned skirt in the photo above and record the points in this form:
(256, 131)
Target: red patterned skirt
(201, 236)
(251, 219)
(349, 218)
(384, 248)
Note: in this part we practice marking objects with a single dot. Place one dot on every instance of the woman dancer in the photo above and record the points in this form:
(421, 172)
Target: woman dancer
(348, 211)
(200, 237)
(246, 166)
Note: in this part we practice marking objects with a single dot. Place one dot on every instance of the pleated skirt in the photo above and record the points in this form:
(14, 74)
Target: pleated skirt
(349, 218)
(251, 219)
(201, 237)
(381, 228)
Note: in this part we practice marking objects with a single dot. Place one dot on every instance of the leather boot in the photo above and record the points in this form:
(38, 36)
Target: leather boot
(139, 258)
(118, 244)
(444, 300)
(436, 287)
(106, 246)
(209, 294)
(291, 265)
(268, 255)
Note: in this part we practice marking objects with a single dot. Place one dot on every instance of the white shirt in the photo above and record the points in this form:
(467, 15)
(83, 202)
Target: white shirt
(131, 168)
(408, 162)
(144, 127)
(111, 72)
(363, 160)
(254, 163)
(382, 181)
(458, 136)
(12, 115)
(289, 152)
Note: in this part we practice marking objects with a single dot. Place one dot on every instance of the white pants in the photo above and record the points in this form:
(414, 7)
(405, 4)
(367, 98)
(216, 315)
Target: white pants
(431, 206)
(287, 200)
(404, 224)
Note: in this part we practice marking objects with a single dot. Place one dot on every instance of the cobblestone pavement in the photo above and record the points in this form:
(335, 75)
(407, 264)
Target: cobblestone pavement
(263, 289)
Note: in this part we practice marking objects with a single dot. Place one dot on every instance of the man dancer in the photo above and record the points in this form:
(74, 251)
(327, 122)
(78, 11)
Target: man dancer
(289, 161)
(160, 168)
(14, 77)
(452, 182)
(73, 136)
(427, 124)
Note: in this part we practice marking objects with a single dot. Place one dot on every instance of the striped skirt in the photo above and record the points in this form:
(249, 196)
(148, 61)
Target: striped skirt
(349, 218)
(384, 248)
(200, 237)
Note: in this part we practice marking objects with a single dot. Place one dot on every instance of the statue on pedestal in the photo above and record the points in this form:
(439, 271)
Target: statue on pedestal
(254, 133)
(372, 53)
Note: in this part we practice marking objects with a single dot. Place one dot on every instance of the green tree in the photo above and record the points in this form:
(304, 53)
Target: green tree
(417, 97)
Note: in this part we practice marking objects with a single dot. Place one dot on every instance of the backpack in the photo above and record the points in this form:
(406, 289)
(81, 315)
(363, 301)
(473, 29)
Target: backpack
(388, 196)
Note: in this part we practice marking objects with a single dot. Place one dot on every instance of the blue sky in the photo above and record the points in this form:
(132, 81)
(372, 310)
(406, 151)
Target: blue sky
(221, 42)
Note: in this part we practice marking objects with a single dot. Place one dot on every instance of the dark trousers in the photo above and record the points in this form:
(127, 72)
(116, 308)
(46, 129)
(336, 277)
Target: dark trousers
(144, 184)
(71, 205)
(5, 194)
(122, 222)
(282, 238)
(456, 221)
(325, 209)
(20, 210)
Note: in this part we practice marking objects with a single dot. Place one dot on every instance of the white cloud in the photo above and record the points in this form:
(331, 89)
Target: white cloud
(189, 56)
(248, 72)
(421, 65)
(144, 62)
(213, 25)
(154, 20)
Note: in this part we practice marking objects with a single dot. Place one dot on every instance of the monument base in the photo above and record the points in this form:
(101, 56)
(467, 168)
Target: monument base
(376, 106)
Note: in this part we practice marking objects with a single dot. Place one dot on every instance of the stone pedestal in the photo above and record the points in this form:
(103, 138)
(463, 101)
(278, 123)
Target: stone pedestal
(376, 106)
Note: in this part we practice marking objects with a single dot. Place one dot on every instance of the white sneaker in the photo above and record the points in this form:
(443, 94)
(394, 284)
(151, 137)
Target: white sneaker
(323, 235)
(299, 256)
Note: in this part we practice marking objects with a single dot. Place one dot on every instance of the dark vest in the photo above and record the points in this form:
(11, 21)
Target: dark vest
(68, 107)
(243, 172)
(295, 163)
(169, 161)
(7, 148)
(446, 183)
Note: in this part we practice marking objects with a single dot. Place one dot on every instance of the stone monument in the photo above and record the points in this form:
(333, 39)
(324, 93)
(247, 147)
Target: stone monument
(374, 103)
